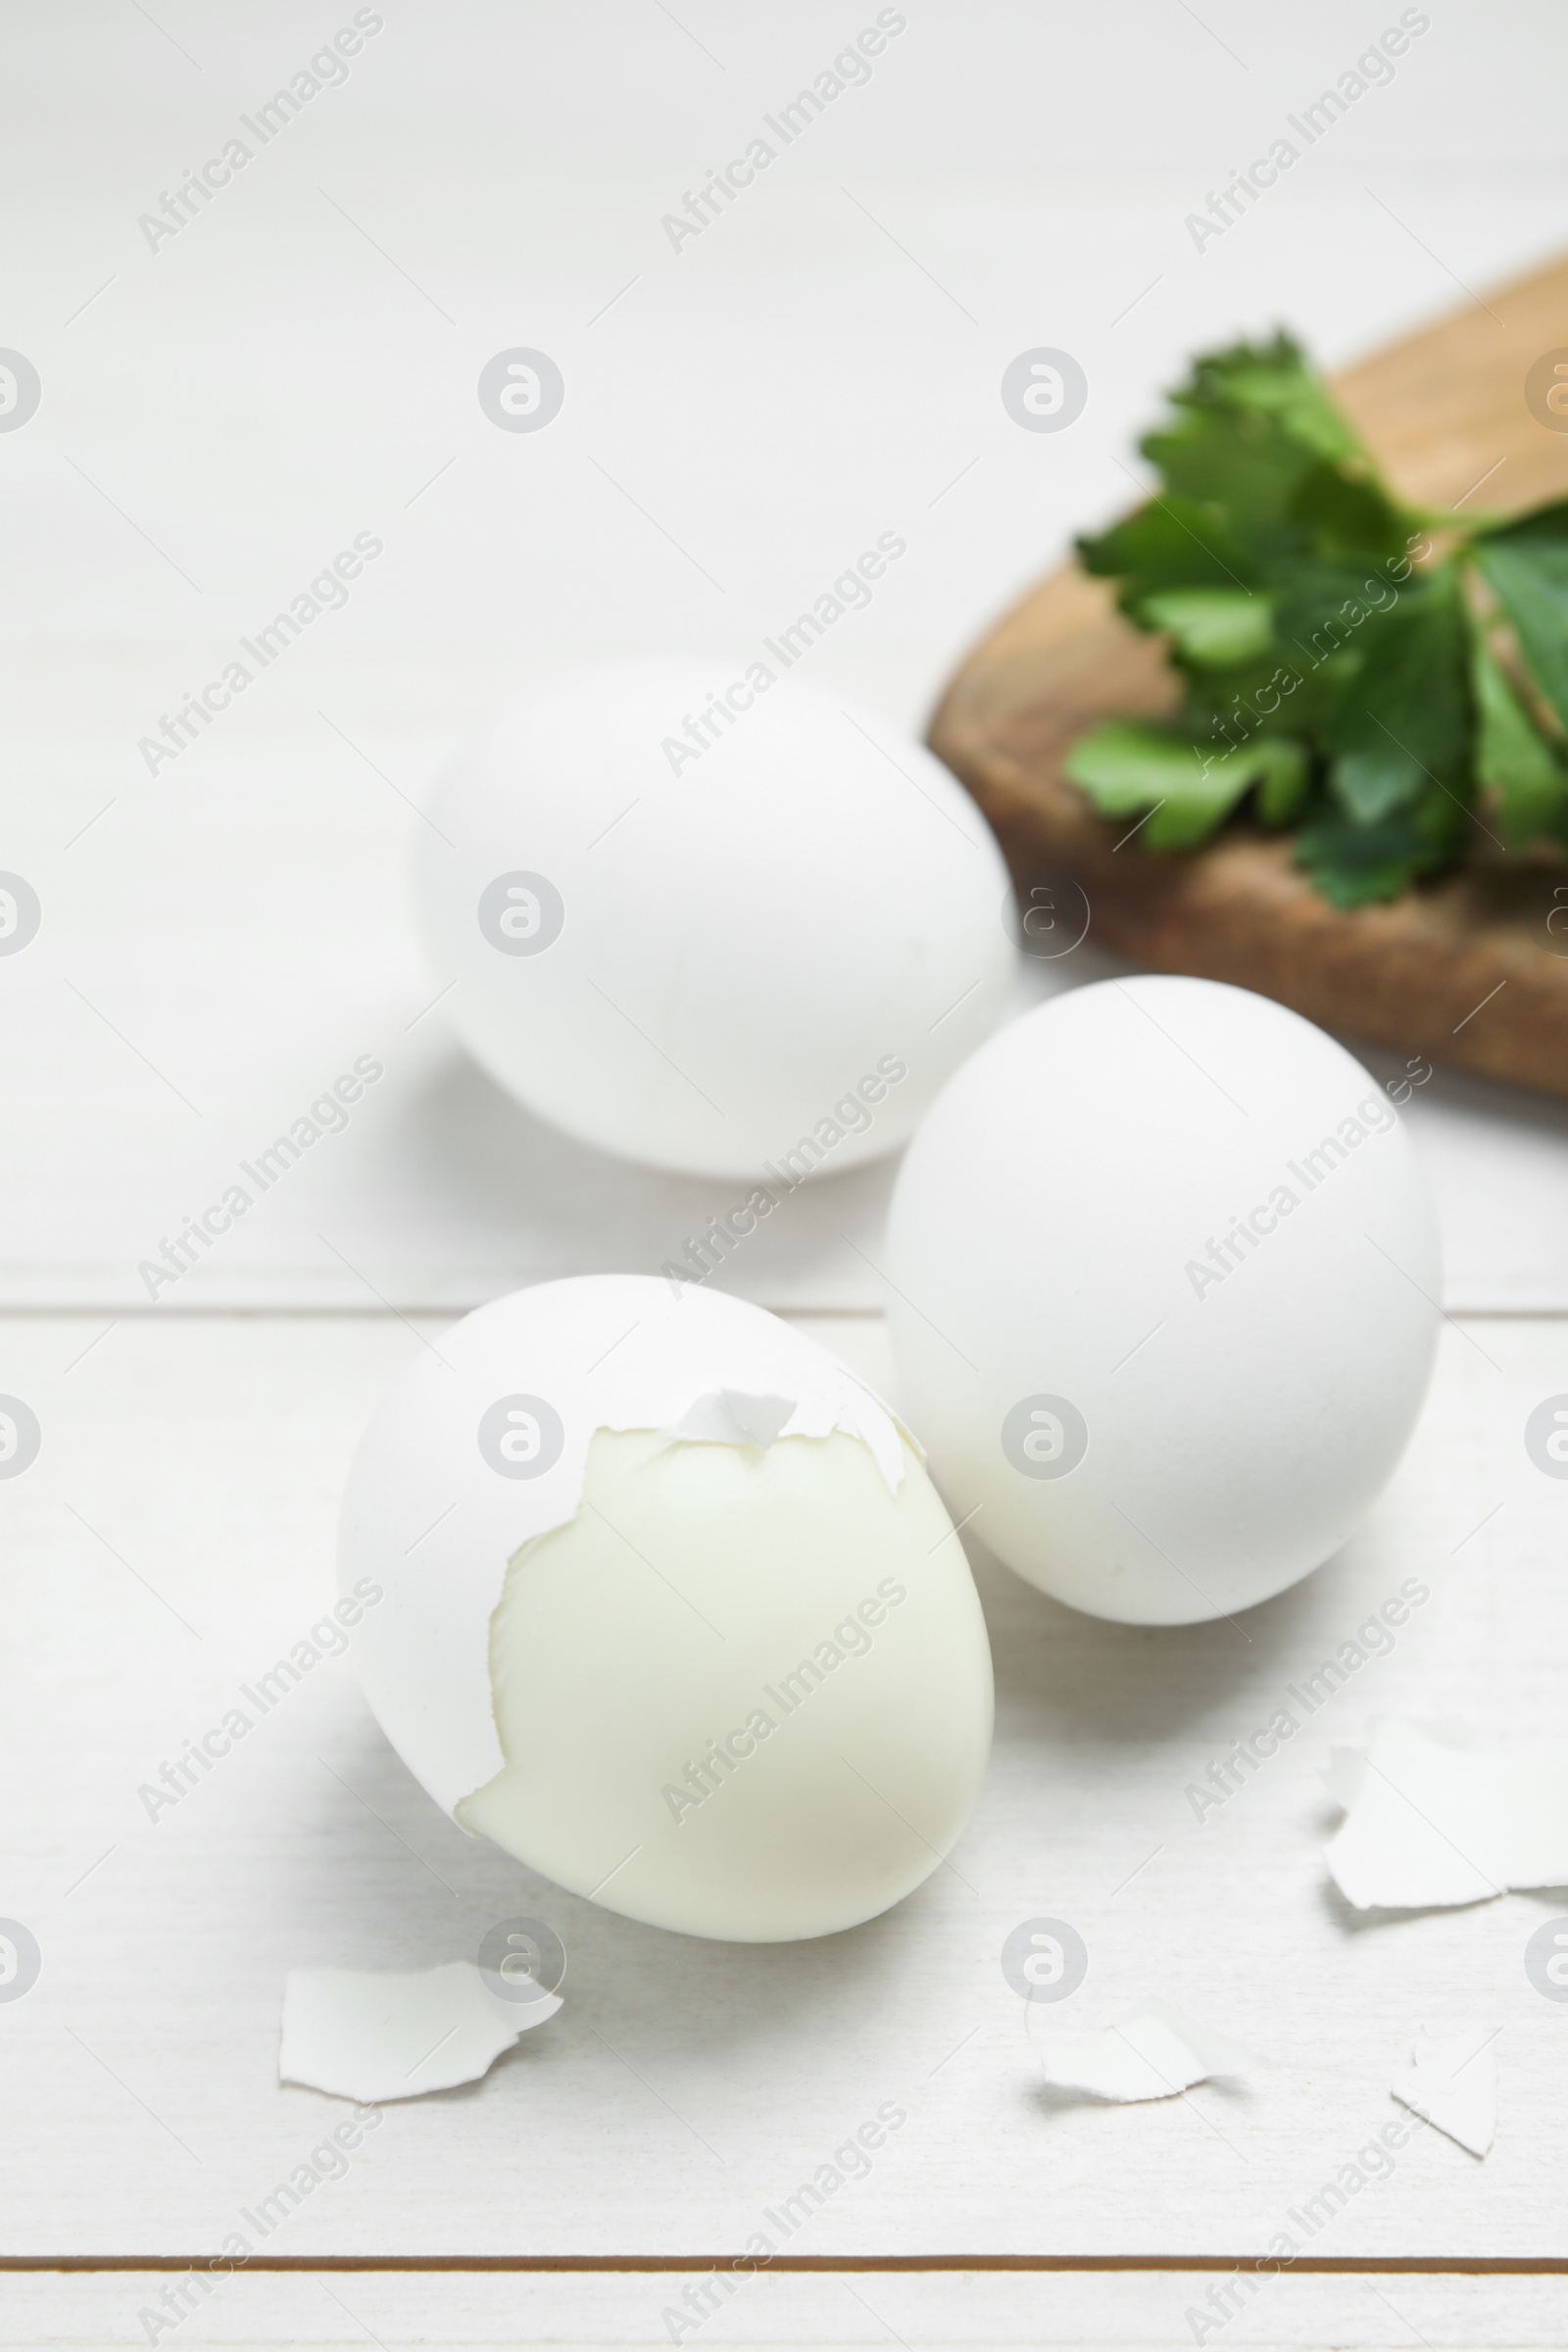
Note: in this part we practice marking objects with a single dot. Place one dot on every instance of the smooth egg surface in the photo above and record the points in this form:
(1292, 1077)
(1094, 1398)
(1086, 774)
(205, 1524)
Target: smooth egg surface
(768, 936)
(1164, 1281)
(736, 1749)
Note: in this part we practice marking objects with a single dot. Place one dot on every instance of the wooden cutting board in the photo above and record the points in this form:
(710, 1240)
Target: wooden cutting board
(1472, 969)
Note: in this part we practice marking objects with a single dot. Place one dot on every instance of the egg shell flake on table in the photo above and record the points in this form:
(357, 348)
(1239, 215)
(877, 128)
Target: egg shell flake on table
(1153, 2052)
(1451, 2084)
(1434, 1818)
(376, 2036)
(432, 1520)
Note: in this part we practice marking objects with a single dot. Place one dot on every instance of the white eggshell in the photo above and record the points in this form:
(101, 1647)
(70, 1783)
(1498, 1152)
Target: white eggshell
(1149, 1432)
(701, 959)
(631, 1643)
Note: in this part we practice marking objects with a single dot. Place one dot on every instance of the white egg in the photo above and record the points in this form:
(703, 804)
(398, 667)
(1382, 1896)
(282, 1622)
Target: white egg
(658, 1596)
(1165, 1279)
(711, 954)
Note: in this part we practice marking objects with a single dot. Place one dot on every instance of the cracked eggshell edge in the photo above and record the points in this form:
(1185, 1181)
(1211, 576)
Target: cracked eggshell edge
(433, 1526)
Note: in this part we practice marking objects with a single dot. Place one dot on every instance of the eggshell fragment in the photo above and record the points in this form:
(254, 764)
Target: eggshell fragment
(375, 2036)
(1436, 1817)
(1153, 2052)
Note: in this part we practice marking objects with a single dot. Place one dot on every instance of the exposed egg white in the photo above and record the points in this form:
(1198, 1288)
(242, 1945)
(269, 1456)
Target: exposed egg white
(1164, 1294)
(668, 1607)
(704, 953)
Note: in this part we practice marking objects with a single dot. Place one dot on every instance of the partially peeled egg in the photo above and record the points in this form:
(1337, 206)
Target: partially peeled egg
(669, 1610)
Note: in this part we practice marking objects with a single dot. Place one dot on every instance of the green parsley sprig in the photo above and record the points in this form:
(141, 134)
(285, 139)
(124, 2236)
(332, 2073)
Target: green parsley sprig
(1368, 677)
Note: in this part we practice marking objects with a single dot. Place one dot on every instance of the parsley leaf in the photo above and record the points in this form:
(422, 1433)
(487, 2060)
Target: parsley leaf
(1171, 543)
(1338, 676)
(1211, 627)
(1512, 758)
(1526, 565)
(1277, 382)
(1400, 725)
(1354, 863)
(1125, 768)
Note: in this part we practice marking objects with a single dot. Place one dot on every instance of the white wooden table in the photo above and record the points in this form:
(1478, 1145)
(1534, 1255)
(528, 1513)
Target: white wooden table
(219, 940)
